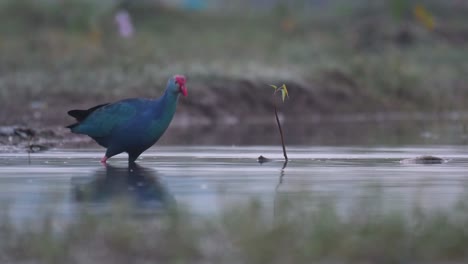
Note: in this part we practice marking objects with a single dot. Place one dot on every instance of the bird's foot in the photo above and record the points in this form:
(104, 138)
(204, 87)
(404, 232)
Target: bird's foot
(104, 160)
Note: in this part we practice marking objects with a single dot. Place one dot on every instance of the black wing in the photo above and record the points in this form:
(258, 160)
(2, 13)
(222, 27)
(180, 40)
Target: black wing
(81, 115)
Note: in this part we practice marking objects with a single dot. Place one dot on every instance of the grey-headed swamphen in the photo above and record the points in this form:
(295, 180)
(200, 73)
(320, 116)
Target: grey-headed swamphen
(130, 125)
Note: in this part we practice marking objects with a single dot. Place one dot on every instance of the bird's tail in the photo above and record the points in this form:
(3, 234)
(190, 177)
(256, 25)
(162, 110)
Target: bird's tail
(81, 115)
(72, 126)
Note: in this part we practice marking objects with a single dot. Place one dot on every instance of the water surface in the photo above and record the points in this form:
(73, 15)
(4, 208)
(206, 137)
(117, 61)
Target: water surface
(206, 178)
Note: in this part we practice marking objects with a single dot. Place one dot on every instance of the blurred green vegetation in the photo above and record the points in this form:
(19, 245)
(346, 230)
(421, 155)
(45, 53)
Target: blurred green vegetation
(299, 229)
(72, 49)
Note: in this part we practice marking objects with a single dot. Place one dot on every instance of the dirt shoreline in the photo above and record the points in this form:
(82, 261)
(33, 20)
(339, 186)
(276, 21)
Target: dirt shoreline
(220, 101)
(214, 103)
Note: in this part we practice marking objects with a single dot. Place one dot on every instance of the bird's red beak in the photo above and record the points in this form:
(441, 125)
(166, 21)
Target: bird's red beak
(180, 80)
(183, 90)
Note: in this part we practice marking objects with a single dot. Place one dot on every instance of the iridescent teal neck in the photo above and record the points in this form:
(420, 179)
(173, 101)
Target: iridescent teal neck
(170, 96)
(167, 106)
(164, 110)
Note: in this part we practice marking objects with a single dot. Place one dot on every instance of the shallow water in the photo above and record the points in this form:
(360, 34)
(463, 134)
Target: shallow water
(206, 178)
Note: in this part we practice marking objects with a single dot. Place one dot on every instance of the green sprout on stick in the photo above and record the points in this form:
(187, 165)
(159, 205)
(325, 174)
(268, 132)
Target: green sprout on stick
(282, 89)
(284, 94)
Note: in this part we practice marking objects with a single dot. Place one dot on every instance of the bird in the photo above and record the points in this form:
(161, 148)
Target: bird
(131, 125)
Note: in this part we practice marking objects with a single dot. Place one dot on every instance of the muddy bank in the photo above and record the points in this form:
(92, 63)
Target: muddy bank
(327, 110)
(334, 132)
(218, 100)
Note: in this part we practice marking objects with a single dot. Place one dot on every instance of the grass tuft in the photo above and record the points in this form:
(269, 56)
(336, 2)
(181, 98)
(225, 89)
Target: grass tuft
(297, 230)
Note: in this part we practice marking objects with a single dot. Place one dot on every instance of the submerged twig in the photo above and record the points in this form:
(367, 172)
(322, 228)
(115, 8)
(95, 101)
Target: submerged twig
(27, 134)
(284, 94)
(281, 175)
(275, 199)
(281, 134)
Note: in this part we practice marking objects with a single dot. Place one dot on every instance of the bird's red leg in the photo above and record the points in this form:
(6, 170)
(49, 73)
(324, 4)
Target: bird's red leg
(104, 160)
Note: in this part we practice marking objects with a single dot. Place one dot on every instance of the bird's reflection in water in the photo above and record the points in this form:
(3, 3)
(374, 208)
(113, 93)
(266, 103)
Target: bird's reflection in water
(135, 185)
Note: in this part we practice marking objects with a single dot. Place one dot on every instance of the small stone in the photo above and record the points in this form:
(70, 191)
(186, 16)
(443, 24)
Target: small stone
(36, 148)
(262, 159)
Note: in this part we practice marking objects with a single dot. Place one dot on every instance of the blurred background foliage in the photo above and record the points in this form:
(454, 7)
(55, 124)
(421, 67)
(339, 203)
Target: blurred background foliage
(398, 54)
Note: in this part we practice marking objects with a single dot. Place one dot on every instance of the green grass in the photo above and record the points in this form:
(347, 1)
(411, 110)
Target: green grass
(298, 230)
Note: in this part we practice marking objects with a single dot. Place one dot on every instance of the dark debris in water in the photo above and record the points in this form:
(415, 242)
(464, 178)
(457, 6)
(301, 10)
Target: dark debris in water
(424, 160)
(37, 148)
(261, 159)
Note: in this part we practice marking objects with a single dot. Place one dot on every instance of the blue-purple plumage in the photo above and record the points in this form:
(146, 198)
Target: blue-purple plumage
(130, 125)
